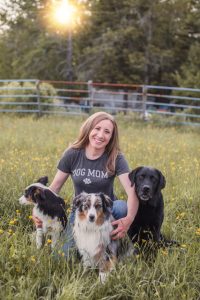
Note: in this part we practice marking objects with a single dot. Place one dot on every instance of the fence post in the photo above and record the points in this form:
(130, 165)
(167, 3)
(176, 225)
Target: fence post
(144, 102)
(125, 99)
(38, 97)
(90, 94)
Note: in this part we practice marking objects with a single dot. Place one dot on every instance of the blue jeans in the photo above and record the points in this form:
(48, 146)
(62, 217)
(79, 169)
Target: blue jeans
(119, 210)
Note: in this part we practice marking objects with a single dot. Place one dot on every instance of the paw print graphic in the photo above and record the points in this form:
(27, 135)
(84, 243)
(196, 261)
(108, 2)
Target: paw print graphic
(87, 181)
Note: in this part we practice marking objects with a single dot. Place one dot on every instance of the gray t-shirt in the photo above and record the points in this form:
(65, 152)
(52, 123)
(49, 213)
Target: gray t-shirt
(89, 175)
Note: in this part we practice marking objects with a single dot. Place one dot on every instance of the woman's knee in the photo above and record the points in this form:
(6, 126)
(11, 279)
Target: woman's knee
(119, 209)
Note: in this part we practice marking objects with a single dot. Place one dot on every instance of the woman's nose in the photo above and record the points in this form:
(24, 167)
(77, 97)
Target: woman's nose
(100, 133)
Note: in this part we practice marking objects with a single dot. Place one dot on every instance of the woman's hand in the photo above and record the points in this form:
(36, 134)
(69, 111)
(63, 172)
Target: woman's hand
(37, 222)
(123, 225)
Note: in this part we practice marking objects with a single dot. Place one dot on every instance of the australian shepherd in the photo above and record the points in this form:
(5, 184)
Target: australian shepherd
(49, 208)
(92, 229)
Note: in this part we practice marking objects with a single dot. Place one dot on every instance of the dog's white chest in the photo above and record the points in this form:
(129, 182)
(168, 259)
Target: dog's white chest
(48, 223)
(90, 238)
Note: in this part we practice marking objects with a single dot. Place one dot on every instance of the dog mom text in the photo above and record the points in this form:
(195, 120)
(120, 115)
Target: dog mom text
(90, 173)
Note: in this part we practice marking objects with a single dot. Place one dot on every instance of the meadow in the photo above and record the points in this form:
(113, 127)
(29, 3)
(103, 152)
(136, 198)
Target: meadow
(31, 147)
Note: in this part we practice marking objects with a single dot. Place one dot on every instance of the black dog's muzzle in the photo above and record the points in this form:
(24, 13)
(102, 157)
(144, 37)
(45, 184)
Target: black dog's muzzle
(145, 193)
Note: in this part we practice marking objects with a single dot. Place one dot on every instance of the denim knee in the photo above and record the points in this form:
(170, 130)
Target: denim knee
(119, 209)
(69, 242)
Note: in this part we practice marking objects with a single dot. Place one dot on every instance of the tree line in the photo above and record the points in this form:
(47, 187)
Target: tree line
(153, 42)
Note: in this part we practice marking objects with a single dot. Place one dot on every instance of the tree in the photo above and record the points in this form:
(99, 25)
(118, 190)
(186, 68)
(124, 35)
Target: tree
(127, 41)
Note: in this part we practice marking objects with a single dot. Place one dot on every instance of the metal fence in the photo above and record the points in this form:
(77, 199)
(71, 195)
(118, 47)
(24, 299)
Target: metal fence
(167, 104)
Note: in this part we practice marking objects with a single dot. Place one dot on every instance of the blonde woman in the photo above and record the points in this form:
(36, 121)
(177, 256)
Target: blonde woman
(93, 161)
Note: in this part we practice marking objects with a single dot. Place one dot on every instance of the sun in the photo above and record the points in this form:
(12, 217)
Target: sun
(65, 13)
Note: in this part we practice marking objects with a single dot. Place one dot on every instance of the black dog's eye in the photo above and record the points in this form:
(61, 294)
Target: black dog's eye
(153, 179)
(141, 177)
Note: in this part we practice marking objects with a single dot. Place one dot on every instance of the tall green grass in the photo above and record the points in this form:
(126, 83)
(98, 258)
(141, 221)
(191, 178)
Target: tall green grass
(31, 147)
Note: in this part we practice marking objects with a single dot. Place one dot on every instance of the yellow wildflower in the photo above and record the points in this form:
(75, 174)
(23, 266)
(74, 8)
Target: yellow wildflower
(33, 258)
(13, 222)
(1, 231)
(180, 216)
(165, 252)
(49, 241)
(30, 217)
(198, 231)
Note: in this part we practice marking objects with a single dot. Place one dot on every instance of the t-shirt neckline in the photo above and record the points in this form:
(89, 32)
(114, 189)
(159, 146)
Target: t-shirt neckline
(95, 158)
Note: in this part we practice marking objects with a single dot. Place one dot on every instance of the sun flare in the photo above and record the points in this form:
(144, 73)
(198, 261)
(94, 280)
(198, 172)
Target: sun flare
(65, 13)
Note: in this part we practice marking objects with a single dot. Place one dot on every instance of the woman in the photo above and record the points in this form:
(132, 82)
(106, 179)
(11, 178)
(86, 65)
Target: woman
(93, 162)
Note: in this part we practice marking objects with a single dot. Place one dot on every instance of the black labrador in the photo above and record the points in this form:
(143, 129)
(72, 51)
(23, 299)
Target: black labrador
(148, 221)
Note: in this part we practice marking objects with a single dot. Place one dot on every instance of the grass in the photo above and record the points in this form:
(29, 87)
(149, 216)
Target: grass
(31, 148)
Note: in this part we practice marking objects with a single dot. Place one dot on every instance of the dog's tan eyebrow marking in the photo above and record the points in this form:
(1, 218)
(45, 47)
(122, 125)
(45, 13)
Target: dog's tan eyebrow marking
(87, 202)
(37, 191)
(98, 202)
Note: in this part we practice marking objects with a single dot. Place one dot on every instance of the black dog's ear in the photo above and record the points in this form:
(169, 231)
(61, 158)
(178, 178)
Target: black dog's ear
(78, 200)
(43, 180)
(132, 175)
(162, 181)
(106, 201)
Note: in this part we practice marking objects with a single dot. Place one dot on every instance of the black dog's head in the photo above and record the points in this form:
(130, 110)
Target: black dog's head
(148, 183)
(34, 192)
(92, 207)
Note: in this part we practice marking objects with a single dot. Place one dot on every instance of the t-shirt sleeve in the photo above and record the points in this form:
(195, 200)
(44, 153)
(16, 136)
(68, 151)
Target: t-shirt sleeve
(65, 163)
(121, 165)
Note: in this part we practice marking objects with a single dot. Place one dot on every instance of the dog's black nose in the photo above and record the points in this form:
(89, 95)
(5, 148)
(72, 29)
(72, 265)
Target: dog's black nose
(146, 189)
(91, 218)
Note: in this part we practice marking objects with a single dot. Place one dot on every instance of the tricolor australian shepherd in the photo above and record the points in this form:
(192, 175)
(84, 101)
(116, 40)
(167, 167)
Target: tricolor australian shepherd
(48, 207)
(92, 228)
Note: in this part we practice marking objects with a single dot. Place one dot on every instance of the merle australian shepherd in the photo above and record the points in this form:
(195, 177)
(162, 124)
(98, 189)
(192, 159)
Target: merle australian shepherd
(92, 228)
(48, 207)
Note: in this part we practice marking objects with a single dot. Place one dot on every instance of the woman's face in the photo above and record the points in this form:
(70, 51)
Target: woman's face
(101, 134)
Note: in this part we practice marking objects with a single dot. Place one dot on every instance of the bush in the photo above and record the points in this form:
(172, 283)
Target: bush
(23, 93)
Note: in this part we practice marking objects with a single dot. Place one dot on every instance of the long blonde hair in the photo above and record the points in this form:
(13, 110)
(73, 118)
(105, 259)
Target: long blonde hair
(113, 146)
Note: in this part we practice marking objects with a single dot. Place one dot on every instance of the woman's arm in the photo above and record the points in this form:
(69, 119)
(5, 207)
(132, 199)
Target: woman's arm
(58, 181)
(132, 203)
(55, 186)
